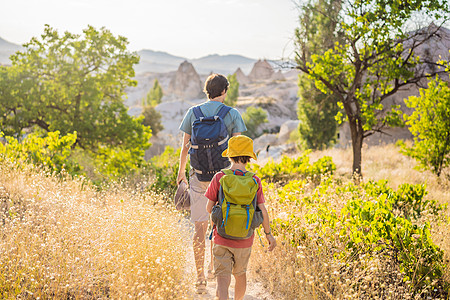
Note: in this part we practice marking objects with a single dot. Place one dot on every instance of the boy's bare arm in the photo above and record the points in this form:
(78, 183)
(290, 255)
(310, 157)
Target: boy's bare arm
(183, 159)
(209, 206)
(266, 226)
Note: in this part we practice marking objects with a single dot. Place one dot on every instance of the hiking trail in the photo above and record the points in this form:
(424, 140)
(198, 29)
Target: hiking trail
(255, 290)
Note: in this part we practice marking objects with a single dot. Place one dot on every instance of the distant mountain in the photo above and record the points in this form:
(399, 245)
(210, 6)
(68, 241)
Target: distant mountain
(225, 64)
(163, 62)
(157, 62)
(6, 49)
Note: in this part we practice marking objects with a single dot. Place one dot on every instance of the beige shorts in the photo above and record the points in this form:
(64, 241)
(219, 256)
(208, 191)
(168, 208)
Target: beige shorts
(197, 191)
(229, 260)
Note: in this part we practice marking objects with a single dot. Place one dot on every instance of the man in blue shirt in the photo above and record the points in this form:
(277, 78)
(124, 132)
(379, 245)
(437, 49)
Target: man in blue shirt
(216, 87)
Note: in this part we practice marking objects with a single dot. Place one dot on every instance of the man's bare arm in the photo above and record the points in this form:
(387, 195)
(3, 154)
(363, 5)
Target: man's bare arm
(183, 159)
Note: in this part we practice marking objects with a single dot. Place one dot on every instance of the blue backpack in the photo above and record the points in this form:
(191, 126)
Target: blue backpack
(209, 139)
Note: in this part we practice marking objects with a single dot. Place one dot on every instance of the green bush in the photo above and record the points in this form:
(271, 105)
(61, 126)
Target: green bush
(165, 168)
(290, 168)
(374, 220)
(51, 151)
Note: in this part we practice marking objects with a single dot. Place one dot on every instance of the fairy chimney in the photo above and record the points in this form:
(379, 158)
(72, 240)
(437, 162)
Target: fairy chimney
(262, 70)
(186, 83)
(278, 76)
(241, 77)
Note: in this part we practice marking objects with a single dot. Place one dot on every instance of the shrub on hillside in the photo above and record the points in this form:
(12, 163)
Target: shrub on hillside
(290, 168)
(51, 151)
(357, 225)
(165, 168)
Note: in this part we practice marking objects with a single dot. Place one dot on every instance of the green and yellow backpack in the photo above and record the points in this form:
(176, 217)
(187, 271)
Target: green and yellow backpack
(236, 214)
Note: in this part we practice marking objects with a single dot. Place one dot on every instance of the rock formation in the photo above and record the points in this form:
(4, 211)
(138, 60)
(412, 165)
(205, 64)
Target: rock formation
(262, 70)
(277, 76)
(186, 83)
(286, 129)
(241, 77)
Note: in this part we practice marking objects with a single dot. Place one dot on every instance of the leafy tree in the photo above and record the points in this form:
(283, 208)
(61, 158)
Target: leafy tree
(317, 110)
(152, 118)
(253, 118)
(430, 125)
(375, 60)
(233, 91)
(155, 95)
(73, 83)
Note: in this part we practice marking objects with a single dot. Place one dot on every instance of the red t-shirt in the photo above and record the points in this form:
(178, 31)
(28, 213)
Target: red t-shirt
(212, 193)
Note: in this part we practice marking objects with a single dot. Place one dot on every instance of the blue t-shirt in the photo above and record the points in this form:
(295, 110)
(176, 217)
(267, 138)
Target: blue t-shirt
(233, 119)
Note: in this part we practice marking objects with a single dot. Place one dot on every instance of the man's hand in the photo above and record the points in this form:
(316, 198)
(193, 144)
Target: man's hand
(272, 242)
(182, 177)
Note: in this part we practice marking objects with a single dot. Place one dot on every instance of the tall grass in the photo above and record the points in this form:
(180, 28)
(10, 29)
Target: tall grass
(308, 269)
(62, 238)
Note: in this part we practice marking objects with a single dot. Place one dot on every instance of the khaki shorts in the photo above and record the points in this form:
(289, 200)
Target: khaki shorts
(229, 260)
(197, 191)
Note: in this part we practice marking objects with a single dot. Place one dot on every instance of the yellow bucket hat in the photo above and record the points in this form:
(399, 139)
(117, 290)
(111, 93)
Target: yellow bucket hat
(239, 145)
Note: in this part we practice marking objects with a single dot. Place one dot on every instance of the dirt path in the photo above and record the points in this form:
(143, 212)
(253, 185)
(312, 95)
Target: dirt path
(255, 290)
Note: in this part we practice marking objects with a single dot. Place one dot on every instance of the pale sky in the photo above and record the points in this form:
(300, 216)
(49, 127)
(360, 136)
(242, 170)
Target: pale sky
(188, 28)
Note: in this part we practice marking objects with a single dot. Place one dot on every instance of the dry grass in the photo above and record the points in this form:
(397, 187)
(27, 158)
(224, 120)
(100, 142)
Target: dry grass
(306, 271)
(64, 239)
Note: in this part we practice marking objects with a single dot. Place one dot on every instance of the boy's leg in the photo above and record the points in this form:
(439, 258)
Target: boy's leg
(223, 264)
(241, 258)
(223, 283)
(240, 286)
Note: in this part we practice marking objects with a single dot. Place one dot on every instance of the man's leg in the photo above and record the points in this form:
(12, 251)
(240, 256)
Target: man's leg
(223, 283)
(211, 263)
(199, 249)
(240, 286)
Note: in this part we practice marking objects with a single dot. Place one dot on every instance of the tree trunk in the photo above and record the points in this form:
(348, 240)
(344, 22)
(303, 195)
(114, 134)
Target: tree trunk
(357, 138)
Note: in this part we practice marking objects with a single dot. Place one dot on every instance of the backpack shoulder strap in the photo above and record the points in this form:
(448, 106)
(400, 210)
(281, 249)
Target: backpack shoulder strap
(227, 172)
(220, 196)
(223, 111)
(198, 112)
(250, 174)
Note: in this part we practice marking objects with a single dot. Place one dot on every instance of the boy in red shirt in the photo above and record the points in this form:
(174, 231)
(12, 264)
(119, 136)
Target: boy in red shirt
(232, 256)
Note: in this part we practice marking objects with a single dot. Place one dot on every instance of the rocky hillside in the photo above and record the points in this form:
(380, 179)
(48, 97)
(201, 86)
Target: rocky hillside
(273, 90)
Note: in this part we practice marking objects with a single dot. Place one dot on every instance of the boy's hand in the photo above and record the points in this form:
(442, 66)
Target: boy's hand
(272, 242)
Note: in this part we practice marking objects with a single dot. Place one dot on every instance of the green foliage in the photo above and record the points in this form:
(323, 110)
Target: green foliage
(317, 110)
(376, 60)
(290, 168)
(72, 83)
(253, 118)
(233, 91)
(154, 96)
(51, 151)
(165, 168)
(112, 163)
(430, 125)
(152, 119)
(374, 221)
